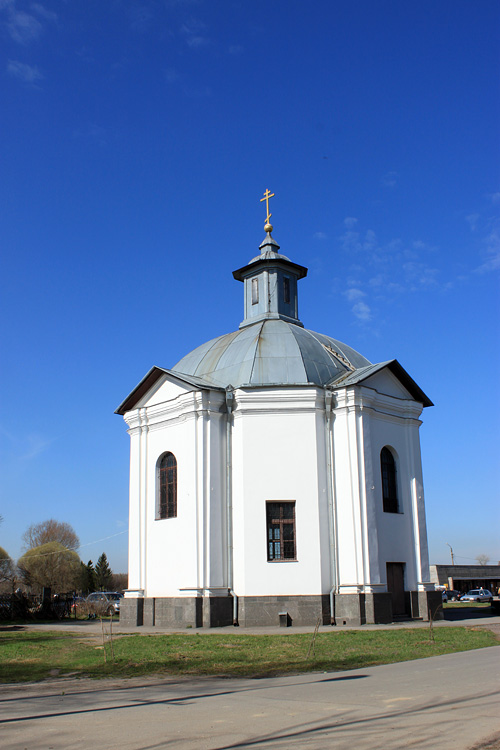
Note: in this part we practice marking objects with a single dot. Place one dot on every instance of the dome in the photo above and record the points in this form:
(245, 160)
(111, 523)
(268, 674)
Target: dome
(271, 352)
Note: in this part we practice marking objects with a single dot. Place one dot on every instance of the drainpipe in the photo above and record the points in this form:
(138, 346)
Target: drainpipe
(229, 501)
(332, 526)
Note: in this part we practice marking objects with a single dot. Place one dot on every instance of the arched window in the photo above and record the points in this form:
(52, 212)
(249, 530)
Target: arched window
(389, 481)
(167, 487)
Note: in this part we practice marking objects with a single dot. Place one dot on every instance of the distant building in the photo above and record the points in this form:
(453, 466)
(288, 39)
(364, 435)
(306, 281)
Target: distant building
(465, 577)
(275, 476)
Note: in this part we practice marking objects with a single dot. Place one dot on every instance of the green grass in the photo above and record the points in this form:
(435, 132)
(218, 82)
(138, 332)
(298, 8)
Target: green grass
(32, 656)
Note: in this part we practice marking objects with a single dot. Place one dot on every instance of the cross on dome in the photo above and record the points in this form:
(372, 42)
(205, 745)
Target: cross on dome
(268, 227)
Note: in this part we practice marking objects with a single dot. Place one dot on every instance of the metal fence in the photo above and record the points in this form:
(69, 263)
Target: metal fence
(21, 606)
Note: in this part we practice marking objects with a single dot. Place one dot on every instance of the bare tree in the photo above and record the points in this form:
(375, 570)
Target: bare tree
(51, 531)
(483, 559)
(120, 581)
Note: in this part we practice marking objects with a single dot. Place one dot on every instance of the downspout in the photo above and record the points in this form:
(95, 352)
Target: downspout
(229, 501)
(332, 526)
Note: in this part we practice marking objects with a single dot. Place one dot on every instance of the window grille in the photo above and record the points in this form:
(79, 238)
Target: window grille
(167, 487)
(281, 531)
(389, 481)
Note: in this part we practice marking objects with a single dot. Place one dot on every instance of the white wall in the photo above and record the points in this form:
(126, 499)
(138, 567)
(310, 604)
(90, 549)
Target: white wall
(176, 556)
(279, 453)
(275, 458)
(366, 420)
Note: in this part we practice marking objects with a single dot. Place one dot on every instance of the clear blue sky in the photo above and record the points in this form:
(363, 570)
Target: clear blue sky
(137, 138)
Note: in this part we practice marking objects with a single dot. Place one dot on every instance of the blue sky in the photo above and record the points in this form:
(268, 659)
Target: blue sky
(137, 138)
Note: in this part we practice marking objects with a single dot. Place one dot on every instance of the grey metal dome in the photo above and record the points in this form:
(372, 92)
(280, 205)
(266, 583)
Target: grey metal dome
(271, 352)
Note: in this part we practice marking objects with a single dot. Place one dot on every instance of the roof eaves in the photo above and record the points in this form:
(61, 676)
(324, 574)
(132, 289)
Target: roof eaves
(362, 373)
(151, 378)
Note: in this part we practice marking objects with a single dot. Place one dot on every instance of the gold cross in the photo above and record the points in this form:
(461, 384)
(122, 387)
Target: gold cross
(266, 197)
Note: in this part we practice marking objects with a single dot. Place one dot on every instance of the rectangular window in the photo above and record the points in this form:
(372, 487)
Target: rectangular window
(281, 531)
(255, 291)
(286, 291)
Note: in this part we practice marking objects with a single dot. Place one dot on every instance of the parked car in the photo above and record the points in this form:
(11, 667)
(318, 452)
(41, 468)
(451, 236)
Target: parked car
(104, 603)
(451, 595)
(477, 595)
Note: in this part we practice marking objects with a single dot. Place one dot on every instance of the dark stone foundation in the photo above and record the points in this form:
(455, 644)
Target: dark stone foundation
(271, 611)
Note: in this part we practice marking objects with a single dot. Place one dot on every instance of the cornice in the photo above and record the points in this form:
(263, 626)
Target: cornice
(360, 398)
(183, 407)
(279, 401)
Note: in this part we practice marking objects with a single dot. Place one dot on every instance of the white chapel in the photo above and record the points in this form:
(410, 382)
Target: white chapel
(275, 476)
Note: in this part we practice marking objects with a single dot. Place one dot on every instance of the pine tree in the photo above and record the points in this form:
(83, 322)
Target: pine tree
(87, 577)
(103, 573)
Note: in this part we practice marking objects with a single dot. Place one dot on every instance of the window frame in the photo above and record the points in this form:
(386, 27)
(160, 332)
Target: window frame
(287, 292)
(389, 481)
(278, 523)
(255, 291)
(166, 508)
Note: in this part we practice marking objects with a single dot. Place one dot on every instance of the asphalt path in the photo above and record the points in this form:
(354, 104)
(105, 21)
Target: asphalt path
(450, 702)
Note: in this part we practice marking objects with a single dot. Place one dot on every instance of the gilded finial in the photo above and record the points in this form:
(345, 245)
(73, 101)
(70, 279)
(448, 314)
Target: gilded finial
(268, 227)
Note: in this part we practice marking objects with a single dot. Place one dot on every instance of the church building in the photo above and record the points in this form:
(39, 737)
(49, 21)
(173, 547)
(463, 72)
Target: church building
(275, 476)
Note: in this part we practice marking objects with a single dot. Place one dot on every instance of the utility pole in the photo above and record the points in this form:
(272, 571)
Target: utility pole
(451, 550)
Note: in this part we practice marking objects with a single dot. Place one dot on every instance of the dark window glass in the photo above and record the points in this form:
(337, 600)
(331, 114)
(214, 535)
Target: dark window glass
(389, 482)
(167, 487)
(255, 291)
(286, 291)
(281, 531)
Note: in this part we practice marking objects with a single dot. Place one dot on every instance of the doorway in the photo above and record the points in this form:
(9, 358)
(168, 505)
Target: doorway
(396, 587)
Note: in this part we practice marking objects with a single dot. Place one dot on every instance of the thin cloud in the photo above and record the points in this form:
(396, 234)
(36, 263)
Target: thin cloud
(382, 271)
(319, 236)
(27, 447)
(472, 220)
(172, 75)
(23, 72)
(350, 222)
(362, 311)
(354, 294)
(23, 26)
(389, 179)
(194, 35)
(42, 11)
(492, 252)
(359, 307)
(140, 18)
(35, 445)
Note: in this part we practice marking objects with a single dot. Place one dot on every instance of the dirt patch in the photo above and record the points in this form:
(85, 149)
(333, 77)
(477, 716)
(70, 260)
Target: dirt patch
(493, 628)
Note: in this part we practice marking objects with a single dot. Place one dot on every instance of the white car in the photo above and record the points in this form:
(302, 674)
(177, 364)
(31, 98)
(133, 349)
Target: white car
(104, 602)
(477, 595)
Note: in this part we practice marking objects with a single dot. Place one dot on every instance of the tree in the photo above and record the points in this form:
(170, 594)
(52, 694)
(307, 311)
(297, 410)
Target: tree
(86, 578)
(51, 531)
(50, 565)
(120, 581)
(7, 572)
(483, 559)
(103, 573)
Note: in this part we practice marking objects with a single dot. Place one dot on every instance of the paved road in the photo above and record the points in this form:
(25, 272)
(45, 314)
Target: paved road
(450, 702)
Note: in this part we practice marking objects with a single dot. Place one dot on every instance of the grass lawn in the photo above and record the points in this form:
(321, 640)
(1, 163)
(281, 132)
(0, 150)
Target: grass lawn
(32, 655)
